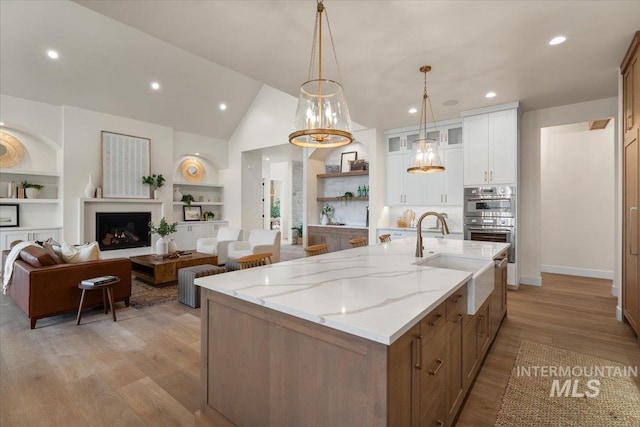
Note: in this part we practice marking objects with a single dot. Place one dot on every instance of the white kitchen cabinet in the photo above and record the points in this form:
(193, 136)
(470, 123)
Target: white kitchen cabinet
(189, 233)
(445, 188)
(28, 234)
(402, 233)
(403, 188)
(400, 141)
(490, 147)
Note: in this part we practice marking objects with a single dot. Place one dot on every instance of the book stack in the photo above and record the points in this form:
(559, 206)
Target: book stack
(99, 280)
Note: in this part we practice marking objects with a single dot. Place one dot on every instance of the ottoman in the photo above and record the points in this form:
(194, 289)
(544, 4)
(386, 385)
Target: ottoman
(188, 292)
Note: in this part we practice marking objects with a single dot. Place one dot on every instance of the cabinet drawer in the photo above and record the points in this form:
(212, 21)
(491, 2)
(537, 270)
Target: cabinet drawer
(457, 305)
(433, 322)
(433, 374)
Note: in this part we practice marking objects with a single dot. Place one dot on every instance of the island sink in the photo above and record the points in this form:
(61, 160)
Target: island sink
(482, 281)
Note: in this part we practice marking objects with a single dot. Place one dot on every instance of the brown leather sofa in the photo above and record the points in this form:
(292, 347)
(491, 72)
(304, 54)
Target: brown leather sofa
(53, 289)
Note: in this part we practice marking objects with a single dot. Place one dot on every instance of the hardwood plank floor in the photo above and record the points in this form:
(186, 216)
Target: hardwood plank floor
(144, 369)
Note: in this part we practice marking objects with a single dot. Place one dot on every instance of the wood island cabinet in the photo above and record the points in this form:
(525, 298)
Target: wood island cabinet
(337, 238)
(630, 69)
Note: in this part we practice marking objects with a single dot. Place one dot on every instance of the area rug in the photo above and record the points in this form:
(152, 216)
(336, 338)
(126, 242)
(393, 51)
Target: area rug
(144, 295)
(549, 386)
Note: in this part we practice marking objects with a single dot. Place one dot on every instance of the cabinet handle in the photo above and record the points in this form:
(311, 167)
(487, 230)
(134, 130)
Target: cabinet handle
(485, 176)
(629, 121)
(490, 176)
(633, 231)
(460, 317)
(437, 368)
(435, 321)
(446, 198)
(458, 298)
(439, 423)
(418, 352)
(481, 320)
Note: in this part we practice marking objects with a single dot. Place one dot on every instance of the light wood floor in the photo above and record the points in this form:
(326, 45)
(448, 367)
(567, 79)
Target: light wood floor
(144, 369)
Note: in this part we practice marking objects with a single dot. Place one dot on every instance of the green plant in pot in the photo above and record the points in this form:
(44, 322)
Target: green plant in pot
(163, 230)
(298, 237)
(155, 181)
(31, 190)
(209, 215)
(188, 198)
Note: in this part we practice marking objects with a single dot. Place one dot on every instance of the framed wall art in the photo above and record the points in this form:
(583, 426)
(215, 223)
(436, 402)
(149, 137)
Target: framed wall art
(125, 160)
(10, 215)
(346, 159)
(192, 213)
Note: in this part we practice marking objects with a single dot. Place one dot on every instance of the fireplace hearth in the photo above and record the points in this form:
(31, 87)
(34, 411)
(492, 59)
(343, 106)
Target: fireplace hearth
(122, 230)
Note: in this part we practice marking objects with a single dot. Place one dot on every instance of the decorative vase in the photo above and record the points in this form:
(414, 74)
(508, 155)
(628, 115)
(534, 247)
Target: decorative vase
(156, 193)
(325, 220)
(172, 247)
(177, 195)
(89, 190)
(11, 190)
(162, 246)
(31, 193)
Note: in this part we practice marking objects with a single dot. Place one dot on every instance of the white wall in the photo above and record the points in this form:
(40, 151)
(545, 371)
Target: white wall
(211, 149)
(529, 227)
(577, 223)
(40, 120)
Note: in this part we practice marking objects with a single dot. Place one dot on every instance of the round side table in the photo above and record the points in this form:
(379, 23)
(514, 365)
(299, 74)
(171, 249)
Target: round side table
(107, 293)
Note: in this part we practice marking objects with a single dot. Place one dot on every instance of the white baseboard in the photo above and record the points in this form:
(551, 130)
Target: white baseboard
(614, 290)
(531, 281)
(573, 271)
(619, 313)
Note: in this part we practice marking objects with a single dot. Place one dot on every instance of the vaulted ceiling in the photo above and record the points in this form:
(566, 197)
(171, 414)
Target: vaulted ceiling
(205, 53)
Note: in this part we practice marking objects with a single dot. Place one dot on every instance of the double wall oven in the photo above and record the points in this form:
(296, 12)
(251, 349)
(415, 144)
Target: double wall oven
(490, 215)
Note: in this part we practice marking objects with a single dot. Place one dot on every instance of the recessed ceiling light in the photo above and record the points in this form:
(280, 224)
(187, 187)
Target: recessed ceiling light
(413, 110)
(267, 159)
(52, 54)
(197, 154)
(223, 106)
(490, 95)
(155, 85)
(557, 40)
(450, 102)
(1, 123)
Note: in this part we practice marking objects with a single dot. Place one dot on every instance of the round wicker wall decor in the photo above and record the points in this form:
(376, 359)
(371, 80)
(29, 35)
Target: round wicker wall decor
(192, 170)
(11, 150)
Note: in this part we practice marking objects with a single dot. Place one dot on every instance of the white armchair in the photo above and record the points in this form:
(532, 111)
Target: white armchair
(219, 245)
(259, 241)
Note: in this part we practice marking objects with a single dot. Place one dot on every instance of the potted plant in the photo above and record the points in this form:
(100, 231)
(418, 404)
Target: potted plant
(188, 198)
(209, 215)
(31, 190)
(298, 237)
(155, 181)
(327, 212)
(163, 230)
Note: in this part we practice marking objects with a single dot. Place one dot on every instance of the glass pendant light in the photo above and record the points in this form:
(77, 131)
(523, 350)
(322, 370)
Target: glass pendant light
(426, 156)
(322, 117)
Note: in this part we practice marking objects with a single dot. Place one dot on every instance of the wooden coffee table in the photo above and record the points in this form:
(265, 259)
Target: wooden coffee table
(162, 271)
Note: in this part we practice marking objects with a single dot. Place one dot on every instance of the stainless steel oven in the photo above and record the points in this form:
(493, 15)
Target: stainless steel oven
(490, 202)
(490, 216)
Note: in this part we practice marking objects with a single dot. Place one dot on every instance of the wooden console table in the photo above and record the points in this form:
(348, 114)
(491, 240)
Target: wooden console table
(161, 271)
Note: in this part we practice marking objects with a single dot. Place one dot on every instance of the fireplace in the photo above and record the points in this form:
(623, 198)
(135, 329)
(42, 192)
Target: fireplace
(122, 230)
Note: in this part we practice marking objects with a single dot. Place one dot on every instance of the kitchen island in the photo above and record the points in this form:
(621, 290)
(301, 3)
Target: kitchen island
(339, 339)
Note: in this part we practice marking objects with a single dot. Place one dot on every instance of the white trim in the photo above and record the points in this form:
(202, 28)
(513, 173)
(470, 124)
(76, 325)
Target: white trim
(614, 290)
(490, 109)
(619, 313)
(531, 280)
(573, 271)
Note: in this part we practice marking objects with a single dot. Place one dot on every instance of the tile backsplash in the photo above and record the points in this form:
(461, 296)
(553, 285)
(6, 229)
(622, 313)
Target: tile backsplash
(454, 215)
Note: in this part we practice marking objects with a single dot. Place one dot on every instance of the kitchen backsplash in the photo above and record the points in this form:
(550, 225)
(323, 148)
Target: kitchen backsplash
(349, 212)
(454, 215)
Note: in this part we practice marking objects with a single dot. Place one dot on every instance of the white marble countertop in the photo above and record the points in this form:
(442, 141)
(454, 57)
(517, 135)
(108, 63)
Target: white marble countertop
(358, 227)
(375, 292)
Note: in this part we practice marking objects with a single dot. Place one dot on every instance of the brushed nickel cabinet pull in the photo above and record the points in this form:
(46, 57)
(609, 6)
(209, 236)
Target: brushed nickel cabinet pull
(485, 176)
(633, 230)
(436, 320)
(490, 176)
(458, 299)
(418, 352)
(439, 423)
(460, 317)
(437, 368)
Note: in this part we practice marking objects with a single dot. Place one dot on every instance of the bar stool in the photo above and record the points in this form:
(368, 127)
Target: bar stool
(358, 241)
(385, 238)
(254, 260)
(320, 249)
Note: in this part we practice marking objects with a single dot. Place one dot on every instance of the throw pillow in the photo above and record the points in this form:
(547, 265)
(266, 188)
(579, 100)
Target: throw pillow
(36, 256)
(88, 252)
(54, 249)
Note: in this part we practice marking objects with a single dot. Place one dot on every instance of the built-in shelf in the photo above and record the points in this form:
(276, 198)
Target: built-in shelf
(341, 199)
(29, 201)
(196, 184)
(343, 174)
(28, 172)
(196, 203)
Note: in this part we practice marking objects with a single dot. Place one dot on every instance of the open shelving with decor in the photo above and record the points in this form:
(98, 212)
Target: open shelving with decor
(343, 174)
(211, 196)
(342, 199)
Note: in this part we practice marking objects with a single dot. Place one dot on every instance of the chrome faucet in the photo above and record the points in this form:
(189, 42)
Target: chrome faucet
(443, 224)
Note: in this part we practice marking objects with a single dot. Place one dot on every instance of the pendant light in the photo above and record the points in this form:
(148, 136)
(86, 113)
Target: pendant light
(322, 117)
(426, 156)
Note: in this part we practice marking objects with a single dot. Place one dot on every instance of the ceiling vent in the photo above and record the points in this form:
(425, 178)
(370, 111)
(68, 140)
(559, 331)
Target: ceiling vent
(598, 124)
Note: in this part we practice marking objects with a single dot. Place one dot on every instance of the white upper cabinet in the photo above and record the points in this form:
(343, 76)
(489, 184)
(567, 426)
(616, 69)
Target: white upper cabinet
(400, 141)
(445, 188)
(490, 148)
